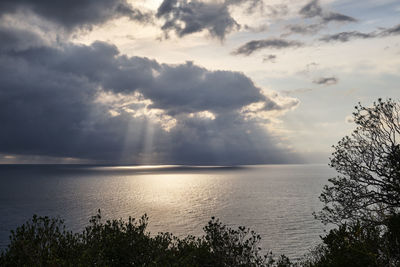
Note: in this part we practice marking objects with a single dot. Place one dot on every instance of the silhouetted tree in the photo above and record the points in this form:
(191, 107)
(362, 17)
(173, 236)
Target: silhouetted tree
(368, 161)
(358, 244)
(45, 241)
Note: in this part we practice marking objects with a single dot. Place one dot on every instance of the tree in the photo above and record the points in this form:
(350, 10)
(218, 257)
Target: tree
(368, 162)
(358, 244)
(45, 241)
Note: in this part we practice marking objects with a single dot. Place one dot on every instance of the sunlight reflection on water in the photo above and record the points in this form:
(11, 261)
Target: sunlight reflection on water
(276, 201)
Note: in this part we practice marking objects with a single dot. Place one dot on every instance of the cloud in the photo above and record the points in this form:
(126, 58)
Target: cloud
(260, 28)
(326, 81)
(187, 17)
(314, 9)
(252, 46)
(297, 91)
(311, 9)
(18, 39)
(395, 30)
(269, 58)
(77, 14)
(332, 16)
(347, 36)
(302, 29)
(92, 102)
(277, 11)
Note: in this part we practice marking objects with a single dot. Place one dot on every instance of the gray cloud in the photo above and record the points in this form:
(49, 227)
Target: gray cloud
(347, 36)
(326, 81)
(55, 102)
(260, 28)
(76, 14)
(302, 29)
(18, 39)
(269, 58)
(187, 17)
(395, 30)
(332, 16)
(311, 9)
(277, 11)
(314, 9)
(252, 46)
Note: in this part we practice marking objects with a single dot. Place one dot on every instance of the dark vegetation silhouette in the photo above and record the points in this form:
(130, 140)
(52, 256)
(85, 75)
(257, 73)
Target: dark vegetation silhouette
(44, 241)
(363, 201)
(368, 161)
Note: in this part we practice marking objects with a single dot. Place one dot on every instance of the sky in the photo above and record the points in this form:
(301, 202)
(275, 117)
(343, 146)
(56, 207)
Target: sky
(204, 82)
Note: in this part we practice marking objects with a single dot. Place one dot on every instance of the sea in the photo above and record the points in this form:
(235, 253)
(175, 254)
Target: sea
(276, 201)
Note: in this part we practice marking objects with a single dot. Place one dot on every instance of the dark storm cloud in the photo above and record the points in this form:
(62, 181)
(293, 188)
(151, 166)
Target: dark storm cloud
(217, 91)
(326, 81)
(51, 105)
(18, 39)
(225, 140)
(252, 46)
(72, 14)
(200, 90)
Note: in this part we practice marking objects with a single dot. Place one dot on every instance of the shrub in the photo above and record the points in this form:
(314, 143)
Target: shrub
(43, 241)
(359, 244)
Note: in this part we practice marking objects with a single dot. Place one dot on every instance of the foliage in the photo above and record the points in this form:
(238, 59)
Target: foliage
(357, 244)
(43, 241)
(364, 200)
(368, 161)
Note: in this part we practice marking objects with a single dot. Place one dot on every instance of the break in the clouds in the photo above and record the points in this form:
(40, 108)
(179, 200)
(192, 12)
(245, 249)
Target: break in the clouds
(76, 14)
(92, 102)
(326, 81)
(253, 46)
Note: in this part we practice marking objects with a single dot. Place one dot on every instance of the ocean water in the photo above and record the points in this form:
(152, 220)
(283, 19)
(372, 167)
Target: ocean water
(276, 201)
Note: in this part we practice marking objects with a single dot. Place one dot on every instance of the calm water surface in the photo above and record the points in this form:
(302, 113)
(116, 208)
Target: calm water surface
(276, 201)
